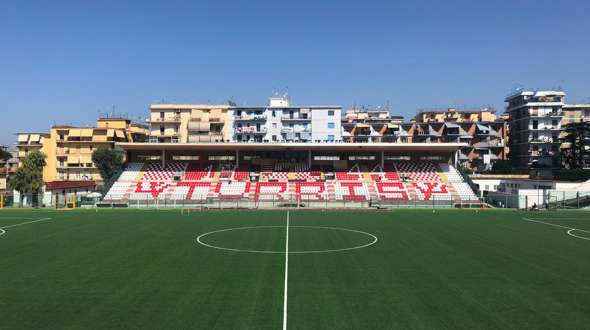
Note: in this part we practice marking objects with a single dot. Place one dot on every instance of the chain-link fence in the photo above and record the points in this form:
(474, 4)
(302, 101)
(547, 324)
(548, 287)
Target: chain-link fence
(538, 198)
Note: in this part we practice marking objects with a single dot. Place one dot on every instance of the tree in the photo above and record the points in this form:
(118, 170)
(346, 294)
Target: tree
(577, 138)
(4, 155)
(28, 178)
(108, 161)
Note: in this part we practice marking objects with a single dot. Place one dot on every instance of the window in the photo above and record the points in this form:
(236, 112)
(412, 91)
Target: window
(274, 114)
(554, 123)
(330, 112)
(331, 125)
(326, 158)
(182, 157)
(361, 157)
(274, 137)
(535, 124)
(222, 157)
(331, 138)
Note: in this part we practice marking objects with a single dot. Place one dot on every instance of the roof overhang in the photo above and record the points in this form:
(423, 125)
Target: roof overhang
(206, 146)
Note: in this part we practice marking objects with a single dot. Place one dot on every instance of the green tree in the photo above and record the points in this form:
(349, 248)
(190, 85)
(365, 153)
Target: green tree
(28, 178)
(4, 155)
(577, 138)
(109, 162)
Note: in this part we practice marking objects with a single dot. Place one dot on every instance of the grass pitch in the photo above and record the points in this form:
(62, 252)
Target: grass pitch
(145, 269)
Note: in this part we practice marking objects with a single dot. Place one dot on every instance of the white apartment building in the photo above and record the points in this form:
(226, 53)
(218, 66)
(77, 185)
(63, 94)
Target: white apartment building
(535, 124)
(281, 122)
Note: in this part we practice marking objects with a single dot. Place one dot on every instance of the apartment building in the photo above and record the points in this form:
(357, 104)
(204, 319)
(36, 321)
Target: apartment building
(189, 123)
(281, 122)
(535, 118)
(575, 113)
(69, 149)
(485, 134)
(373, 125)
(7, 168)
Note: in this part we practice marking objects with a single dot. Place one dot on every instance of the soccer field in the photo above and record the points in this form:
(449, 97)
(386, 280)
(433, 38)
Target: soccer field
(344, 269)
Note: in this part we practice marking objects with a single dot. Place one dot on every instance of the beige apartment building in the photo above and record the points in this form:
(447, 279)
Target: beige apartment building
(575, 113)
(189, 123)
(481, 129)
(69, 149)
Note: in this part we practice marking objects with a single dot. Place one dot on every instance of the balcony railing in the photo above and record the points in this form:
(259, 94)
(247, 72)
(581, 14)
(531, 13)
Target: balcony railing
(174, 119)
(288, 118)
(250, 130)
(250, 117)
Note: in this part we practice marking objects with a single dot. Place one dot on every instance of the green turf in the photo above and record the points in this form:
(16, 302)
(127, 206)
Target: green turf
(143, 269)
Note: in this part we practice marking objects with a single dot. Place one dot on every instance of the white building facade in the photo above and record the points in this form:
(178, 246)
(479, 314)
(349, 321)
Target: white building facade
(281, 122)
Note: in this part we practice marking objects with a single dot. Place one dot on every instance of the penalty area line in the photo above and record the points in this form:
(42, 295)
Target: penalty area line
(3, 231)
(570, 230)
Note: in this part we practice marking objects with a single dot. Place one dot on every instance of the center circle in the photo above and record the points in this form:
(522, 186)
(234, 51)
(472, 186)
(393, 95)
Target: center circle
(371, 239)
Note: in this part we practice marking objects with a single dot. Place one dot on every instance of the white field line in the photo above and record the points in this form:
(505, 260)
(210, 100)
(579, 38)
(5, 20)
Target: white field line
(570, 229)
(200, 240)
(286, 274)
(25, 223)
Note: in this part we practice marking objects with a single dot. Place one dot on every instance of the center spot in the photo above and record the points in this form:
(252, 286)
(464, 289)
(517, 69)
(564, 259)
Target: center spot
(271, 239)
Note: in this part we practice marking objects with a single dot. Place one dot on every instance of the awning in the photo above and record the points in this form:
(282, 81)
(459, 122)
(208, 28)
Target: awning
(86, 159)
(87, 132)
(111, 133)
(345, 133)
(120, 134)
(73, 159)
(451, 125)
(23, 138)
(34, 138)
(392, 126)
(204, 127)
(58, 185)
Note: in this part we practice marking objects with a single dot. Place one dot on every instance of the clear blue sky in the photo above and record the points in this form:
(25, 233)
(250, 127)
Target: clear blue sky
(63, 61)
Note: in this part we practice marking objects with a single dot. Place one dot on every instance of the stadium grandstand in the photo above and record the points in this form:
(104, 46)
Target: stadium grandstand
(291, 174)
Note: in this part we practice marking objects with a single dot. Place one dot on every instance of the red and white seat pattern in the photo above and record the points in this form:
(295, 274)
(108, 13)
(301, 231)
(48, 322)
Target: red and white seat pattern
(270, 190)
(278, 176)
(351, 191)
(228, 189)
(392, 191)
(310, 191)
(399, 181)
(195, 172)
(125, 183)
(155, 171)
(418, 171)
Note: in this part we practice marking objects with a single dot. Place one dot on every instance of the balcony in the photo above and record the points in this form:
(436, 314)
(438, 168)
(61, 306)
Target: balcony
(250, 117)
(289, 118)
(295, 130)
(556, 114)
(174, 119)
(250, 130)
